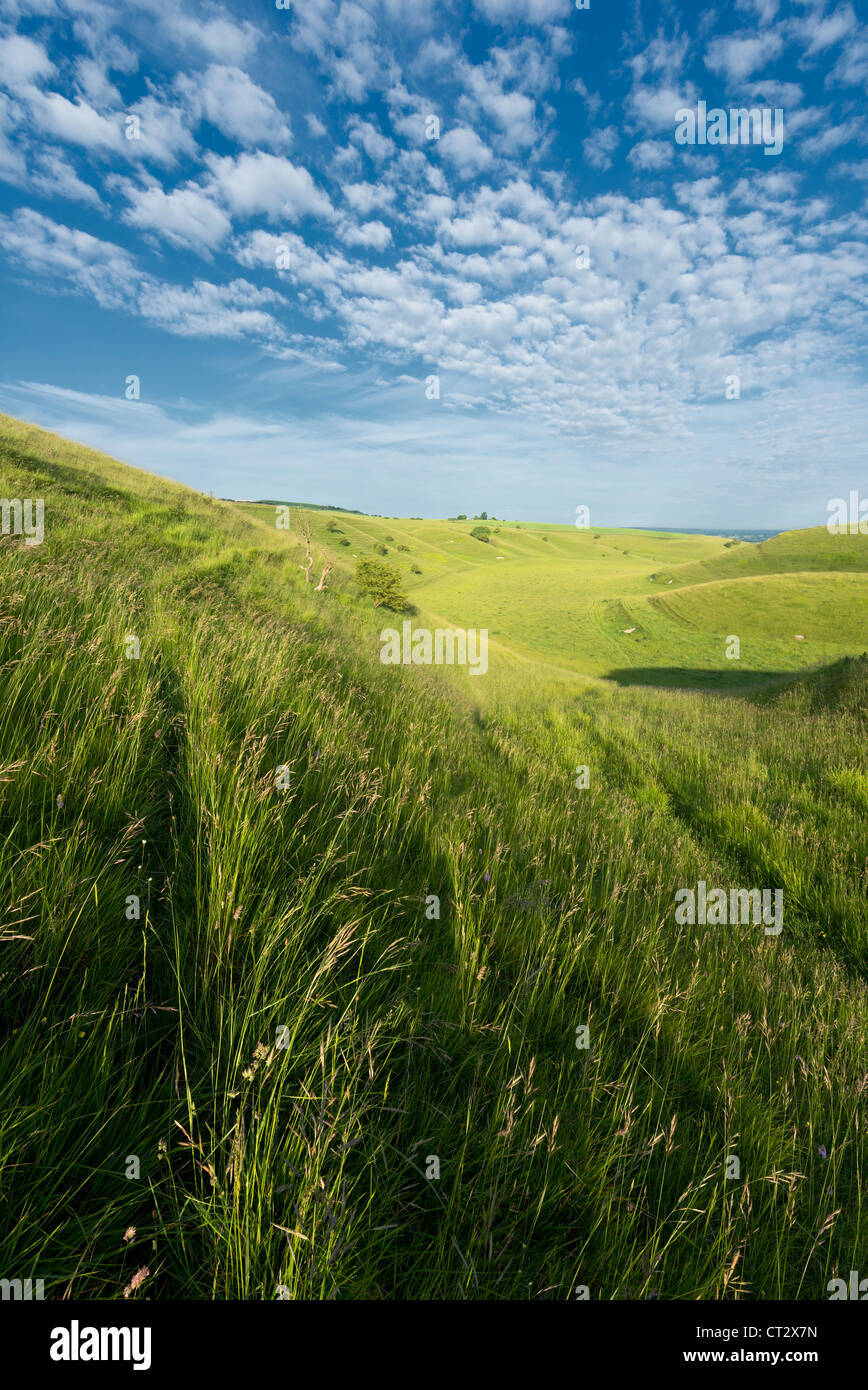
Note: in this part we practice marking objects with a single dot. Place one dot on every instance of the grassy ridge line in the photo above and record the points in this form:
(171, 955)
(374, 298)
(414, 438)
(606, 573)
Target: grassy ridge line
(792, 551)
(453, 1037)
(599, 606)
(450, 543)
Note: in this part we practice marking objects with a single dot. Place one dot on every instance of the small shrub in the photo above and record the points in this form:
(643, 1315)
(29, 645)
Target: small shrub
(382, 583)
(344, 541)
(414, 569)
(390, 538)
(403, 547)
(333, 526)
(380, 548)
(481, 533)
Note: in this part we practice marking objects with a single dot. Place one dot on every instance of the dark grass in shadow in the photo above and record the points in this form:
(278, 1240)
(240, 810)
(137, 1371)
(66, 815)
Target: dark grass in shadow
(695, 678)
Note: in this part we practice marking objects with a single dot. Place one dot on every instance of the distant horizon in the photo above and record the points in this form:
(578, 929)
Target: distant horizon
(78, 436)
(739, 532)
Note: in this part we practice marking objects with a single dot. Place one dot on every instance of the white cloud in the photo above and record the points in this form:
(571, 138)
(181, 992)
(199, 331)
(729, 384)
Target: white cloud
(851, 68)
(737, 57)
(13, 166)
(815, 146)
(764, 10)
(20, 9)
(95, 85)
(416, 14)
(240, 109)
(408, 114)
(49, 248)
(93, 31)
(267, 184)
(433, 207)
(184, 217)
(823, 31)
(789, 95)
(111, 277)
(54, 177)
(343, 37)
(23, 61)
(219, 36)
(164, 132)
(364, 134)
(600, 146)
(512, 113)
(435, 56)
(522, 11)
(374, 234)
(481, 228)
(212, 311)
(651, 154)
(662, 55)
(74, 121)
(655, 107)
(364, 197)
(490, 323)
(484, 284)
(463, 148)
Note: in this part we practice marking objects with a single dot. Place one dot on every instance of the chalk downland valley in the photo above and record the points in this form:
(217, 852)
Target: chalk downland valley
(326, 978)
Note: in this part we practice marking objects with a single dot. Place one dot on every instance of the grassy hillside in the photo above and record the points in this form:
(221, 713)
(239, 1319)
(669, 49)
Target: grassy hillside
(287, 1035)
(790, 552)
(630, 606)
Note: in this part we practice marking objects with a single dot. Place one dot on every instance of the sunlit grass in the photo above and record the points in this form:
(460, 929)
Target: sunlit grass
(296, 915)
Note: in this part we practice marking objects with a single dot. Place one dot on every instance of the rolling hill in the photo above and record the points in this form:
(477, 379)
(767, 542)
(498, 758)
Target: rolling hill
(630, 606)
(326, 979)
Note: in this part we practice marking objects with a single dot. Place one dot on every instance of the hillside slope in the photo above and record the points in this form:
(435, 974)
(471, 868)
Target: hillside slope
(613, 605)
(296, 947)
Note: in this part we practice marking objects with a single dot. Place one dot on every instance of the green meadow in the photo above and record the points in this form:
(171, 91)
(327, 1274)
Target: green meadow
(630, 606)
(298, 949)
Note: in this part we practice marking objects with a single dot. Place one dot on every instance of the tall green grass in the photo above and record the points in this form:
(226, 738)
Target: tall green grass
(287, 1036)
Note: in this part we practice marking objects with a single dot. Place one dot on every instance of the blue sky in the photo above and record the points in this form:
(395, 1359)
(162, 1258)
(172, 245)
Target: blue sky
(289, 247)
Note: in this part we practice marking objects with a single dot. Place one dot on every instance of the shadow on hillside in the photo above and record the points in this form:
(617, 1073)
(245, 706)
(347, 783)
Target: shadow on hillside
(693, 678)
(73, 479)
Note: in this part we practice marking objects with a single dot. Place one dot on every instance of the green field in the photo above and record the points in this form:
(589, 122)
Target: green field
(567, 598)
(236, 1034)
